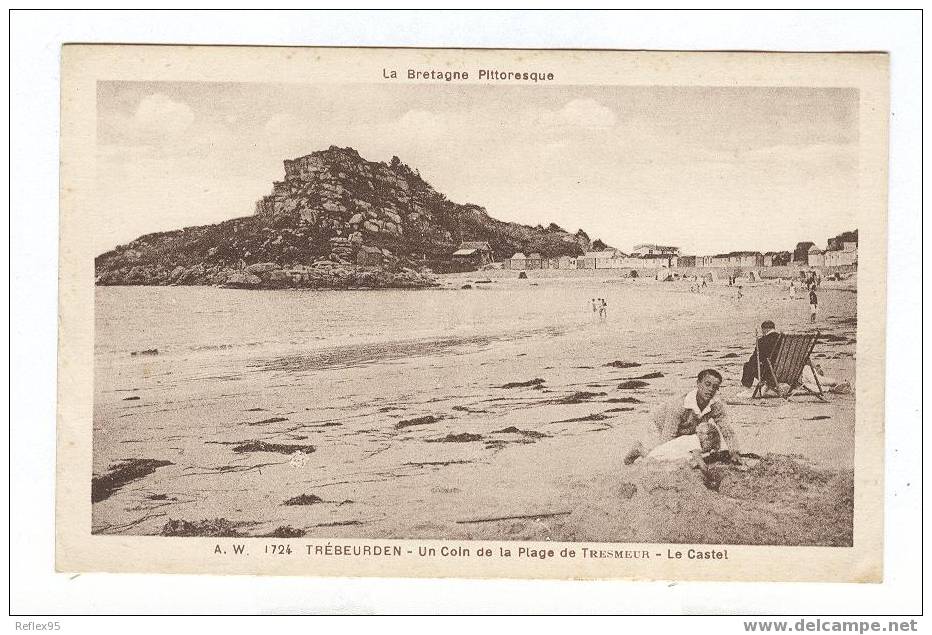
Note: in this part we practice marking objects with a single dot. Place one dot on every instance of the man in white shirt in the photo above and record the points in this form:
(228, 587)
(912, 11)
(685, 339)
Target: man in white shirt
(697, 412)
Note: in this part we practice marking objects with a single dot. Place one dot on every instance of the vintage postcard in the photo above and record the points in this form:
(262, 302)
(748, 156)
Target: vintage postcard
(477, 313)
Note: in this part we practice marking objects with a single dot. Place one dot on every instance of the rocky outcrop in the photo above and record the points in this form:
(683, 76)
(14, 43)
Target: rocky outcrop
(334, 221)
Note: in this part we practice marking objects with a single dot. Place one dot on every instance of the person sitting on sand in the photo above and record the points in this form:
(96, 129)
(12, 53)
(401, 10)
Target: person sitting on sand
(765, 344)
(826, 382)
(697, 412)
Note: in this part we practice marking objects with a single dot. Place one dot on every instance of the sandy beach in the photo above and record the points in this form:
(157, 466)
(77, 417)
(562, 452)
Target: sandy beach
(490, 412)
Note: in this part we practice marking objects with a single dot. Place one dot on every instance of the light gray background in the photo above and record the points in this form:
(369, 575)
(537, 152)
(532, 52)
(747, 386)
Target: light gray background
(34, 112)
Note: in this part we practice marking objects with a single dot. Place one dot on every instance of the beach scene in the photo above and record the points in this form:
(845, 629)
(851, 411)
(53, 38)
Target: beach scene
(432, 413)
(299, 332)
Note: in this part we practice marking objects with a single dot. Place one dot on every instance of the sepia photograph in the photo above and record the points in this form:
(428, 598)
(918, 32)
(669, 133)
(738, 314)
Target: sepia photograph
(609, 314)
(448, 312)
(456, 312)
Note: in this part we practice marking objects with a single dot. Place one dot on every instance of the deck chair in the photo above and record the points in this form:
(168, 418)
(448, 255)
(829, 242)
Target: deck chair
(785, 365)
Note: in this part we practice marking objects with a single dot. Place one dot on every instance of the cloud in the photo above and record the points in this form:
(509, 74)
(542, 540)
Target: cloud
(282, 123)
(586, 113)
(422, 124)
(160, 115)
(576, 116)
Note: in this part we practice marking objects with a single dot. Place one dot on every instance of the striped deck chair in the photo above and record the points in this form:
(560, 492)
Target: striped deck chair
(785, 365)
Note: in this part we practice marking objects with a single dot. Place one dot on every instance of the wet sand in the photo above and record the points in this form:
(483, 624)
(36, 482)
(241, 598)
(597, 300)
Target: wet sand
(482, 435)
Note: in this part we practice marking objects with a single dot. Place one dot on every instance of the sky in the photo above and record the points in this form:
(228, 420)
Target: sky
(707, 169)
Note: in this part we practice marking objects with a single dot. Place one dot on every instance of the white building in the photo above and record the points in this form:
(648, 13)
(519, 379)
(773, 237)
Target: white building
(847, 255)
(517, 262)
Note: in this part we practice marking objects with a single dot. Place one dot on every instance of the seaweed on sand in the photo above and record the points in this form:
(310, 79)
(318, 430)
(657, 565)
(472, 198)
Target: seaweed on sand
(213, 528)
(655, 375)
(528, 433)
(304, 499)
(285, 531)
(620, 364)
(462, 437)
(281, 448)
(531, 383)
(576, 398)
(265, 421)
(417, 421)
(596, 416)
(105, 485)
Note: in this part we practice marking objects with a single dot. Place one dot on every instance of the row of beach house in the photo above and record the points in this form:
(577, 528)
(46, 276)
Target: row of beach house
(842, 250)
(643, 257)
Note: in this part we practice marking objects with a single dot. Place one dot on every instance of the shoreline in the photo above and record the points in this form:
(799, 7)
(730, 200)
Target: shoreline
(342, 276)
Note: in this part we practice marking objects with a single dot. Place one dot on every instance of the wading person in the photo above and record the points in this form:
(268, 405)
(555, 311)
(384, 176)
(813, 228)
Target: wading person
(697, 412)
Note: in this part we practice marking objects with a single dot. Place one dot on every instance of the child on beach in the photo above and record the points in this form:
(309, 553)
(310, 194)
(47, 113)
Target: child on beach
(813, 304)
(697, 412)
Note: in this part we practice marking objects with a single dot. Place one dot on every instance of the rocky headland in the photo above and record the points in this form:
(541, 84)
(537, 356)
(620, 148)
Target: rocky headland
(335, 221)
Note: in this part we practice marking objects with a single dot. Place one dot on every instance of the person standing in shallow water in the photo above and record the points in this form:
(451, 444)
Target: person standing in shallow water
(813, 305)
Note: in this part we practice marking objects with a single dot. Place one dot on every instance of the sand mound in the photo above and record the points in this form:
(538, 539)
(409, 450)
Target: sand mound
(776, 501)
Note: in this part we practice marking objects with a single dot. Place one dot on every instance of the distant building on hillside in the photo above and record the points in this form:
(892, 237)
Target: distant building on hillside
(518, 262)
(477, 254)
(815, 257)
(561, 262)
(606, 259)
(801, 253)
(836, 243)
(651, 256)
(841, 253)
(647, 249)
(739, 259)
(651, 261)
(565, 262)
(777, 258)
